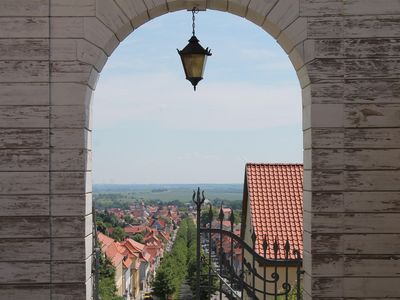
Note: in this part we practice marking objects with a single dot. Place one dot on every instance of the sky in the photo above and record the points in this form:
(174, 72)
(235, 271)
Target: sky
(149, 126)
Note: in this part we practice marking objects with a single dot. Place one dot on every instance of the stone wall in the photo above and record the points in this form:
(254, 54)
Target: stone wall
(346, 54)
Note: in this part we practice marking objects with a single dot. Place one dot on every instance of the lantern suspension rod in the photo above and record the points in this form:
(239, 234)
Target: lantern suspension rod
(195, 11)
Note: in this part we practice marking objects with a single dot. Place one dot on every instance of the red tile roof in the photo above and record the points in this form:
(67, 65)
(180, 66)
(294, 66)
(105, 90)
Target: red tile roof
(110, 248)
(275, 192)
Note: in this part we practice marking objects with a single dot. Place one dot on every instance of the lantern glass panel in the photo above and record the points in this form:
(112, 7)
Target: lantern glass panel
(194, 65)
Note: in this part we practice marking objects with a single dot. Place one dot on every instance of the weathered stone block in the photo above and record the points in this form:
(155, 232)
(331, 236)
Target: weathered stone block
(24, 160)
(24, 138)
(238, 7)
(70, 116)
(292, 35)
(24, 205)
(372, 202)
(71, 160)
(377, 138)
(71, 227)
(71, 182)
(323, 242)
(24, 71)
(324, 159)
(323, 115)
(32, 250)
(376, 244)
(24, 116)
(112, 16)
(32, 27)
(323, 202)
(24, 227)
(371, 26)
(72, 249)
(156, 8)
(370, 266)
(136, 11)
(20, 8)
(323, 93)
(71, 94)
(23, 272)
(372, 91)
(283, 13)
(76, 291)
(319, 8)
(69, 272)
(24, 93)
(370, 287)
(71, 205)
(24, 49)
(257, 10)
(323, 222)
(372, 115)
(364, 159)
(325, 265)
(61, 8)
(70, 138)
(371, 223)
(24, 183)
(371, 7)
(25, 292)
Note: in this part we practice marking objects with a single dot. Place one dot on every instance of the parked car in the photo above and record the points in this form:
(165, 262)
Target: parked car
(148, 296)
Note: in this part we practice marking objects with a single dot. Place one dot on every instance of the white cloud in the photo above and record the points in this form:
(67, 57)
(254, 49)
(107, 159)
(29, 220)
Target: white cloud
(168, 101)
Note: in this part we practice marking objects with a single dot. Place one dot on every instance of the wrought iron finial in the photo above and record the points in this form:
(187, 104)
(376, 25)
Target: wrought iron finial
(287, 247)
(232, 217)
(221, 213)
(276, 246)
(197, 199)
(254, 238)
(265, 246)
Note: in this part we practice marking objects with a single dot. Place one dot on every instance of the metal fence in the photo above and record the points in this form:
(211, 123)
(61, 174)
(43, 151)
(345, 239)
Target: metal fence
(241, 272)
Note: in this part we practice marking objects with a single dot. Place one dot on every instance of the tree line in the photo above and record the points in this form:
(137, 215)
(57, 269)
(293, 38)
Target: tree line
(180, 264)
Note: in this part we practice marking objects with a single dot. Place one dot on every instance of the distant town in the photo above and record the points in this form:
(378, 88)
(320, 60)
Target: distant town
(138, 226)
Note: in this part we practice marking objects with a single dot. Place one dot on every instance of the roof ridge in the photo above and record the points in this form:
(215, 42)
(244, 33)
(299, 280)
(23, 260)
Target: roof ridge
(274, 164)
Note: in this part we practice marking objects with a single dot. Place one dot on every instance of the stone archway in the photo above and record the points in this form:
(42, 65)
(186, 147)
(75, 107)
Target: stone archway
(346, 56)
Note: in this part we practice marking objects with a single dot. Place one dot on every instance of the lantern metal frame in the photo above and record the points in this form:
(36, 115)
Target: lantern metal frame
(194, 48)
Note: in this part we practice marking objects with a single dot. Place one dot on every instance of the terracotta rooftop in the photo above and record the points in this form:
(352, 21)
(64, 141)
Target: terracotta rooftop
(275, 192)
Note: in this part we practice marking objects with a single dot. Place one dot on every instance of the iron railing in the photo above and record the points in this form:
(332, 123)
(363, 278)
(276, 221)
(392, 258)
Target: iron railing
(252, 276)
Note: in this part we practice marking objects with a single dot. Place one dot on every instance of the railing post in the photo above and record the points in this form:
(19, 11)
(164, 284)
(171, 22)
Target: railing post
(221, 219)
(254, 239)
(265, 248)
(210, 218)
(232, 219)
(198, 201)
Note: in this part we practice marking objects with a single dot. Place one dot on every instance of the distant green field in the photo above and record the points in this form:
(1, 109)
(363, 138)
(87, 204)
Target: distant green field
(183, 193)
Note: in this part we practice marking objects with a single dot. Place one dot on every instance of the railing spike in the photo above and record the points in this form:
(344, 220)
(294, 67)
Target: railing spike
(276, 246)
(287, 246)
(210, 214)
(265, 246)
(221, 214)
(254, 238)
(232, 217)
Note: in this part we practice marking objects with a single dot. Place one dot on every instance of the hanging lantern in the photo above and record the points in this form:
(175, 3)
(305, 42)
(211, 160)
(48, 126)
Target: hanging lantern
(194, 57)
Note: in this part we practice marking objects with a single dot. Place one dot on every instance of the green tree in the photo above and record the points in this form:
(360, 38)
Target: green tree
(138, 237)
(118, 234)
(107, 288)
